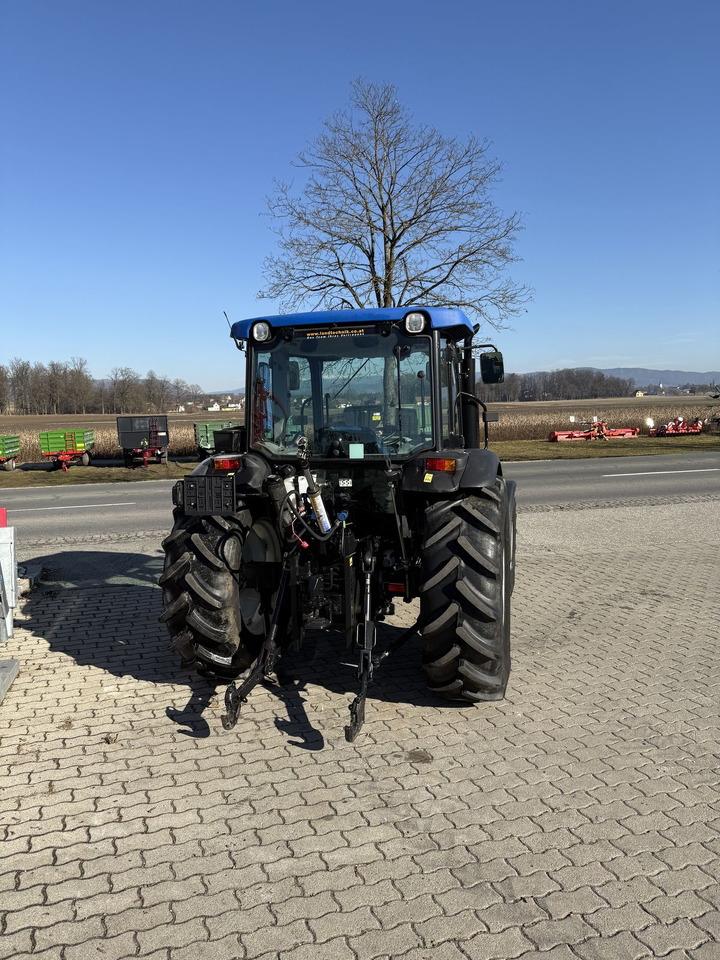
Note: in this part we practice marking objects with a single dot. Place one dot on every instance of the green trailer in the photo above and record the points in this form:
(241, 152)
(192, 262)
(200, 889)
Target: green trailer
(9, 451)
(64, 447)
(205, 434)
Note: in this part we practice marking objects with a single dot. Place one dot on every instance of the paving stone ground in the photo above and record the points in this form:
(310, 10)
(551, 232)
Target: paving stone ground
(577, 820)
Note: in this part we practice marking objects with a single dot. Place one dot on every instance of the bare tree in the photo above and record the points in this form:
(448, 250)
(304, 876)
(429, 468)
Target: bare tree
(124, 385)
(179, 392)
(195, 393)
(157, 392)
(20, 384)
(4, 391)
(391, 214)
(79, 385)
(150, 389)
(164, 393)
(54, 378)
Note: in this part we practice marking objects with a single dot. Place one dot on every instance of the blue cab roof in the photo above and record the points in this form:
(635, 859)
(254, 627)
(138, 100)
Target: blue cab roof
(440, 318)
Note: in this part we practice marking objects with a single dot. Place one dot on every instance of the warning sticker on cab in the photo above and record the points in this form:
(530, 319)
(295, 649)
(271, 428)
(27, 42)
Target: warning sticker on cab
(428, 478)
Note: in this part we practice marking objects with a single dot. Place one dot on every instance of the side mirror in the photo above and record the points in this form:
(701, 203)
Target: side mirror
(294, 375)
(492, 368)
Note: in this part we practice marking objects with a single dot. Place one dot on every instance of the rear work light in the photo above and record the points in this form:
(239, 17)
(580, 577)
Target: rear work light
(226, 463)
(261, 331)
(414, 323)
(438, 463)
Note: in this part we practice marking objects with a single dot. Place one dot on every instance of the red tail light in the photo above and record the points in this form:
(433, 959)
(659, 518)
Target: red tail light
(226, 463)
(438, 463)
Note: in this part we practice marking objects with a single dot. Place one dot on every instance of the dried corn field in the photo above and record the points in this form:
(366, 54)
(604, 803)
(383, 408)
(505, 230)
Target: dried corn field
(518, 421)
(535, 420)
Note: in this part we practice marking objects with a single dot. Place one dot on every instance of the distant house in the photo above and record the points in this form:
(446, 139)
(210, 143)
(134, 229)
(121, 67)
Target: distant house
(639, 393)
(214, 406)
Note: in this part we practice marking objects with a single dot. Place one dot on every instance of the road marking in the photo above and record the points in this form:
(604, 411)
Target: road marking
(657, 473)
(78, 506)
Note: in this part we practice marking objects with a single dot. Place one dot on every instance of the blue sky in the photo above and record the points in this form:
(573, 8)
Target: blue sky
(140, 139)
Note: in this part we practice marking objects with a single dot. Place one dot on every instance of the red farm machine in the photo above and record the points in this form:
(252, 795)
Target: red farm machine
(679, 427)
(143, 439)
(593, 430)
(65, 447)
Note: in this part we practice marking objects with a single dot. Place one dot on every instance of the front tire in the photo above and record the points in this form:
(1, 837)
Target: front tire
(466, 578)
(202, 595)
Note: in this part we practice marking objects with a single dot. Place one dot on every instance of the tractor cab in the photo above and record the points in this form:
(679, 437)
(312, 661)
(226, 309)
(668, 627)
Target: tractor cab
(371, 385)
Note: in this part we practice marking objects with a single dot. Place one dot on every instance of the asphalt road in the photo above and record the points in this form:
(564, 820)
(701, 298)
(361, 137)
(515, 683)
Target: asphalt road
(615, 479)
(128, 509)
(89, 510)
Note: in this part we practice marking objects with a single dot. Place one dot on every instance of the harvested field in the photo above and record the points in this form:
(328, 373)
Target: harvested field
(535, 420)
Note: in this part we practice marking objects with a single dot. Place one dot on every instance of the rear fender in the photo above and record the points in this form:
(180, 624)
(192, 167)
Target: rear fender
(207, 492)
(249, 477)
(474, 469)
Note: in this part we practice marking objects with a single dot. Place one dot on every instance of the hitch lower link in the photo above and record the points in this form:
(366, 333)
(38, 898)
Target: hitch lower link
(236, 696)
(369, 659)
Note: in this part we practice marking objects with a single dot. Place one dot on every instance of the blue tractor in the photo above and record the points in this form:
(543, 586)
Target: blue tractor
(360, 477)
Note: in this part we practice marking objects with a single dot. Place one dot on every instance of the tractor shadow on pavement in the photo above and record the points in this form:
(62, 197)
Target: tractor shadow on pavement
(101, 608)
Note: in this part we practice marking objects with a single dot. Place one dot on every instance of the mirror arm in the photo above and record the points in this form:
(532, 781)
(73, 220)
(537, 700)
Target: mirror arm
(486, 417)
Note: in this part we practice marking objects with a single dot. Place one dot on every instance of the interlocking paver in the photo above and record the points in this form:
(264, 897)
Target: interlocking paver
(109, 948)
(550, 933)
(710, 922)
(460, 927)
(680, 935)
(609, 921)
(576, 820)
(167, 936)
(68, 933)
(443, 951)
(352, 924)
(497, 946)
(385, 942)
(706, 951)
(711, 894)
(667, 909)
(13, 945)
(622, 944)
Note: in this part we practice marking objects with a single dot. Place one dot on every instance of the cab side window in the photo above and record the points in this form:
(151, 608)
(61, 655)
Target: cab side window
(450, 429)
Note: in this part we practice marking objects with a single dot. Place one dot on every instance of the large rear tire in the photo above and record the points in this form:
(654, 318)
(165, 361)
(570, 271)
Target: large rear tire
(203, 597)
(467, 571)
